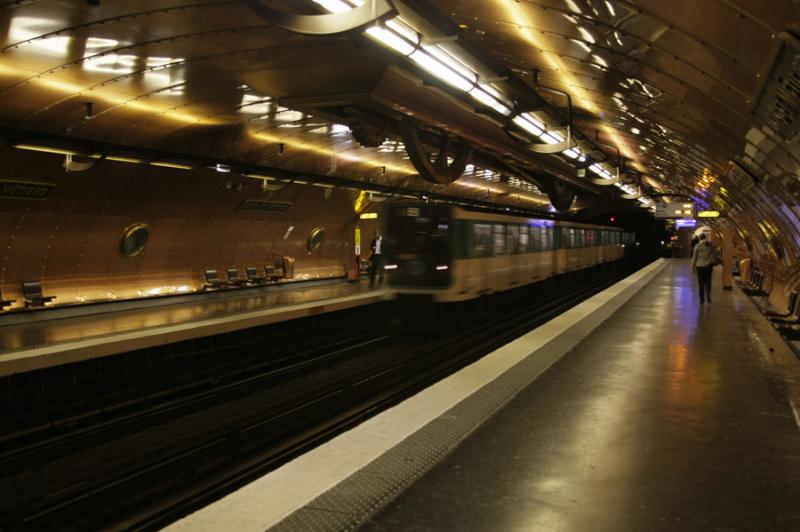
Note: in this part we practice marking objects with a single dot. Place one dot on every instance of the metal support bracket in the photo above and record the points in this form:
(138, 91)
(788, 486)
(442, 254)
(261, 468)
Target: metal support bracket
(620, 162)
(439, 171)
(328, 24)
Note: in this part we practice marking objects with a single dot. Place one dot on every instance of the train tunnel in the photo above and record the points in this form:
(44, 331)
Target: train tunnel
(172, 162)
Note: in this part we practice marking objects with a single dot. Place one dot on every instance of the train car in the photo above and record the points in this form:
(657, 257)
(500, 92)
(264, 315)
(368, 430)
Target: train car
(451, 254)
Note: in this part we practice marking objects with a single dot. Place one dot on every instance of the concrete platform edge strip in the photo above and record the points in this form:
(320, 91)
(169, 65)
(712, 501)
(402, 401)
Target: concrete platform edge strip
(340, 484)
(12, 362)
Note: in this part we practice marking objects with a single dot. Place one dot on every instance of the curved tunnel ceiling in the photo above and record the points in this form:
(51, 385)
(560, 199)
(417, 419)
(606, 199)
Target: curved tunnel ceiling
(688, 92)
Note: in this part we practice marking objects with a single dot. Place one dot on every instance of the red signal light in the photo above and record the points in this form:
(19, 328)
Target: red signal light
(612, 219)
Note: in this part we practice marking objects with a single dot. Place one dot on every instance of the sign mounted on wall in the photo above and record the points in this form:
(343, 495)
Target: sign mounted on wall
(708, 214)
(257, 205)
(30, 190)
(675, 210)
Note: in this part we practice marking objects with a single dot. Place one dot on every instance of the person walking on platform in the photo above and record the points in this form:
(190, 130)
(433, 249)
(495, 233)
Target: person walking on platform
(376, 260)
(704, 258)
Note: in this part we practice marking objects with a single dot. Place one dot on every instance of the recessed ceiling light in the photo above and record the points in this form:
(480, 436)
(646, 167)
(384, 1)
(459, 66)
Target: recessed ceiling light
(635, 130)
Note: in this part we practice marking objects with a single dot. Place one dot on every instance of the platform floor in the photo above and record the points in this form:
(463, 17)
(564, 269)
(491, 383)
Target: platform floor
(670, 416)
(40, 342)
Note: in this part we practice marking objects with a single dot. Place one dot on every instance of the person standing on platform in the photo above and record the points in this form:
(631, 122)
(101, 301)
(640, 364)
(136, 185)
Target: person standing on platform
(704, 258)
(376, 260)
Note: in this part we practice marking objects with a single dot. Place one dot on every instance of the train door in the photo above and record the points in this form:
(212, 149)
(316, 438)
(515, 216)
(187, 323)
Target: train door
(524, 259)
(498, 264)
(512, 248)
(481, 257)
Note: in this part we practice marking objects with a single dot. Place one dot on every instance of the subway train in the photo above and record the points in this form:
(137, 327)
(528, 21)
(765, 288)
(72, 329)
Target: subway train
(448, 254)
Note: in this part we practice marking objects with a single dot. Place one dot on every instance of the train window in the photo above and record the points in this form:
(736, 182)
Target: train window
(483, 240)
(580, 238)
(547, 239)
(524, 240)
(499, 239)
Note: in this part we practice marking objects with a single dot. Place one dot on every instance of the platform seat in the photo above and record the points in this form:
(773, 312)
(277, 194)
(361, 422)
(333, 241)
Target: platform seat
(759, 287)
(32, 292)
(213, 281)
(273, 273)
(253, 276)
(789, 326)
(791, 305)
(5, 303)
(234, 279)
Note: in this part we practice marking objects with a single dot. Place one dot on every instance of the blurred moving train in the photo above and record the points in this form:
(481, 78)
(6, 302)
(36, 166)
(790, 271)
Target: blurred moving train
(452, 254)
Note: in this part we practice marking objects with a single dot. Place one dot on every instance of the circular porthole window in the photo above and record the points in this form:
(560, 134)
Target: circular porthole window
(134, 239)
(316, 238)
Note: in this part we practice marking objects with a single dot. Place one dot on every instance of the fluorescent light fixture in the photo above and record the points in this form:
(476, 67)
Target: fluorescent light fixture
(334, 6)
(121, 159)
(443, 71)
(454, 64)
(390, 267)
(441, 268)
(481, 94)
(171, 165)
(404, 30)
(552, 137)
(391, 39)
(530, 124)
(46, 149)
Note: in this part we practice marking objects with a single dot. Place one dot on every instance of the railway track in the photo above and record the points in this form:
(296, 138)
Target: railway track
(269, 418)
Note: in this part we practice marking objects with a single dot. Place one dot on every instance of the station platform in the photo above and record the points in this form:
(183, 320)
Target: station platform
(52, 337)
(638, 409)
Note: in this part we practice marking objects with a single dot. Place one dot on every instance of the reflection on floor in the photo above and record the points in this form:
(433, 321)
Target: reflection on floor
(671, 416)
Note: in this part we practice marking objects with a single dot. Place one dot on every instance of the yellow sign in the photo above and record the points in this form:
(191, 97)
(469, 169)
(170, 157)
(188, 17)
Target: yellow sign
(369, 215)
(708, 214)
(358, 237)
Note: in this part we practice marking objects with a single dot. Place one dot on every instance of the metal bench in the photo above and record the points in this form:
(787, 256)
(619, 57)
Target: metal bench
(34, 297)
(252, 275)
(234, 279)
(272, 272)
(213, 281)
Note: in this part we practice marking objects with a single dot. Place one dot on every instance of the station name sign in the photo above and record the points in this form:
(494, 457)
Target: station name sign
(254, 205)
(30, 190)
(708, 214)
(674, 210)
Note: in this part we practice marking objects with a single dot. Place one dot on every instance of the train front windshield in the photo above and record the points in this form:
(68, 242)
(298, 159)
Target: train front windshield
(418, 239)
